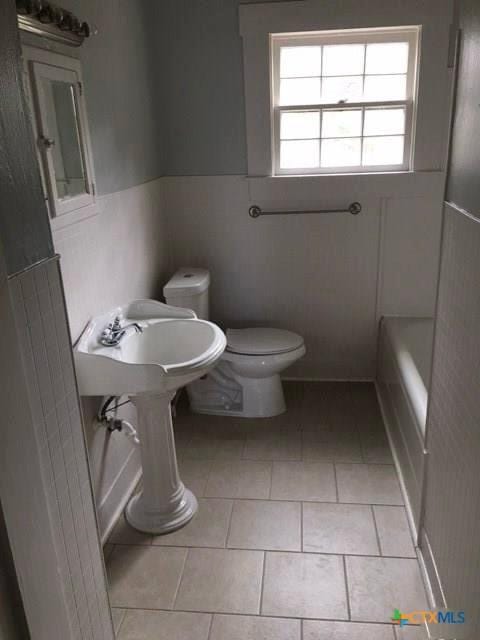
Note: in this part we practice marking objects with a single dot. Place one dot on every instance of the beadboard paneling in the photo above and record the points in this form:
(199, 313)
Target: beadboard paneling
(39, 308)
(452, 499)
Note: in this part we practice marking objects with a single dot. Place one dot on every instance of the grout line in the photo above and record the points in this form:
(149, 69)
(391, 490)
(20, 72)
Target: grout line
(210, 627)
(301, 527)
(271, 481)
(117, 631)
(229, 527)
(262, 584)
(337, 499)
(261, 550)
(267, 616)
(376, 530)
(347, 593)
(180, 578)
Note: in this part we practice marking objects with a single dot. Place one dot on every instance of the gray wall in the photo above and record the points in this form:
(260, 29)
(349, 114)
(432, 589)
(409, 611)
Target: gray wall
(118, 73)
(452, 499)
(24, 228)
(122, 252)
(199, 77)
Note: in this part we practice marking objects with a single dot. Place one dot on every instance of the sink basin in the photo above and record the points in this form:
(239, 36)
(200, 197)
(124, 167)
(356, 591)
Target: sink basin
(174, 348)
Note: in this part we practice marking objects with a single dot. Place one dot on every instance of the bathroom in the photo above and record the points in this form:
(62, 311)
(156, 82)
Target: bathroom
(327, 455)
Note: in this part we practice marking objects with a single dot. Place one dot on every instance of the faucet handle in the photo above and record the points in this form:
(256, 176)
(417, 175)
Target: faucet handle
(116, 326)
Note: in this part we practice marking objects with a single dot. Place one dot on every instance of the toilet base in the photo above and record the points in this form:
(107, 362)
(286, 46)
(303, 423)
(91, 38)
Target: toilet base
(238, 396)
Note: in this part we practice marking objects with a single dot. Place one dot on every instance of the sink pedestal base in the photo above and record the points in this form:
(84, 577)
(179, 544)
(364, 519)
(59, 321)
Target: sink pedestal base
(163, 504)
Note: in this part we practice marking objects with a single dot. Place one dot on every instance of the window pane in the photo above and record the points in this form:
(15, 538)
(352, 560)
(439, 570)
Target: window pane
(300, 125)
(341, 153)
(343, 59)
(383, 151)
(380, 122)
(342, 124)
(347, 89)
(299, 154)
(300, 61)
(300, 91)
(385, 87)
(388, 57)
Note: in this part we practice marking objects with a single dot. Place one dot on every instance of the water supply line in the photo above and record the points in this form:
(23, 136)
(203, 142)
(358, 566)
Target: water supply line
(112, 423)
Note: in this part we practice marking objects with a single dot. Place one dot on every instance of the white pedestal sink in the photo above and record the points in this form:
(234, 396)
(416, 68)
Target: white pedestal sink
(173, 349)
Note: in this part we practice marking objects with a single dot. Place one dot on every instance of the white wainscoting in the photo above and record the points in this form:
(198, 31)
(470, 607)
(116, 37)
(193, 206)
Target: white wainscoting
(118, 255)
(328, 277)
(59, 448)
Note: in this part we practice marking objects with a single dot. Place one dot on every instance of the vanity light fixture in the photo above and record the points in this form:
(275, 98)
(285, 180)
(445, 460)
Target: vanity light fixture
(50, 21)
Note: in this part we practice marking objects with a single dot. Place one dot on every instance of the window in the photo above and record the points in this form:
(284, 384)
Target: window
(343, 102)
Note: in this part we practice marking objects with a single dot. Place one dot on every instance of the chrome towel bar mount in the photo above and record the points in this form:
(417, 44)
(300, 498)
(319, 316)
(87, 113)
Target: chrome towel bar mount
(255, 211)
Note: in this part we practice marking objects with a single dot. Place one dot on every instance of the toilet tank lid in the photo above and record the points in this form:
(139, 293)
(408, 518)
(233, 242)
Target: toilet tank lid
(187, 282)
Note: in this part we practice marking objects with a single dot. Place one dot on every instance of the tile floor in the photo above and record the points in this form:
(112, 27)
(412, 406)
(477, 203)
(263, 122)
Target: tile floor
(301, 532)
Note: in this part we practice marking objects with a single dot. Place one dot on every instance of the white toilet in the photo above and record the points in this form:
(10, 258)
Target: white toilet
(246, 381)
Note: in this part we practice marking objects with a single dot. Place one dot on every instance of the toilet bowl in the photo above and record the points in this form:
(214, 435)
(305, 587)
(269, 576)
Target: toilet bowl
(246, 381)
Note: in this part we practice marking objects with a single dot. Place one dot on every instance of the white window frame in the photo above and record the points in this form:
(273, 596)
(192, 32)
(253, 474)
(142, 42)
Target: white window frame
(42, 63)
(353, 36)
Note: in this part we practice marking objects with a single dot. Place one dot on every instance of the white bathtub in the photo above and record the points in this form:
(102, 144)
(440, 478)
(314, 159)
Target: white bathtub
(403, 376)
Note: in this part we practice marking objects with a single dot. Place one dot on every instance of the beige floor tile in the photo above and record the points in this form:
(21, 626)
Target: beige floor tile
(377, 586)
(196, 424)
(194, 474)
(339, 528)
(331, 446)
(394, 532)
(117, 616)
(144, 577)
(368, 484)
(123, 533)
(375, 448)
(312, 481)
(259, 524)
(317, 630)
(327, 405)
(304, 585)
(368, 416)
(212, 448)
(107, 551)
(411, 632)
(221, 581)
(274, 446)
(208, 528)
(254, 628)
(239, 479)
(165, 625)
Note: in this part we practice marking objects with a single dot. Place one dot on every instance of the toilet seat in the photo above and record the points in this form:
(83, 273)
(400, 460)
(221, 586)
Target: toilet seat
(262, 341)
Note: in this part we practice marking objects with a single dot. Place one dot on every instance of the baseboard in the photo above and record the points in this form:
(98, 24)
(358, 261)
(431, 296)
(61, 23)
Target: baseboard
(425, 556)
(116, 499)
(406, 498)
(313, 379)
(430, 571)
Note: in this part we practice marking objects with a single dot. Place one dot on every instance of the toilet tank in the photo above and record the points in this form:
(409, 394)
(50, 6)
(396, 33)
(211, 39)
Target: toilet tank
(188, 288)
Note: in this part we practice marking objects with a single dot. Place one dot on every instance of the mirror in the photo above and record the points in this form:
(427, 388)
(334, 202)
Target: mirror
(63, 141)
(55, 93)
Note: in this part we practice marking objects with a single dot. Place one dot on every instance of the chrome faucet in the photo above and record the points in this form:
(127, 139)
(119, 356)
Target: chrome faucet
(114, 332)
